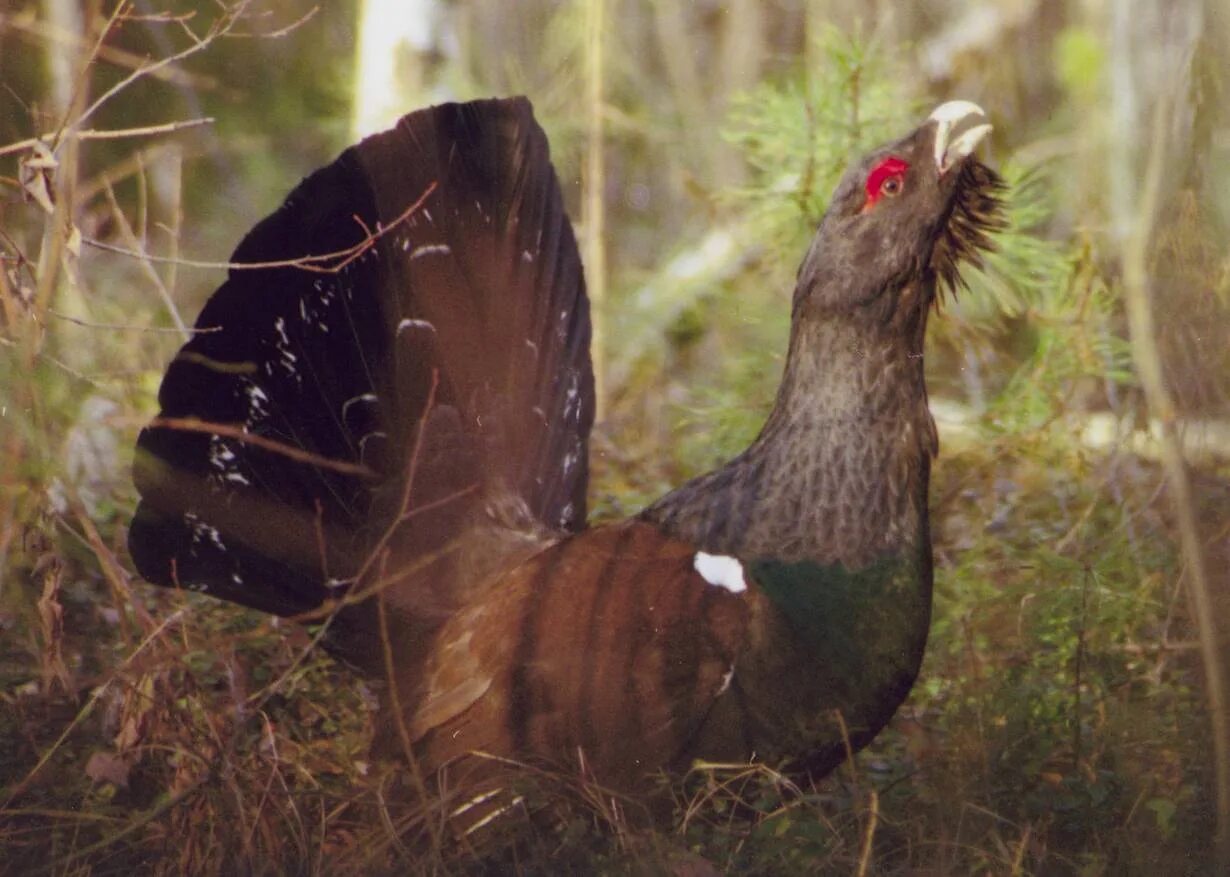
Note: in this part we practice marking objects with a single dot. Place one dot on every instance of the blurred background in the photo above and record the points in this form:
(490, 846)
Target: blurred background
(1072, 713)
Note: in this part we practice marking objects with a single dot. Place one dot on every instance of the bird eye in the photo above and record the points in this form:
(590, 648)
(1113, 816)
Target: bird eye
(886, 178)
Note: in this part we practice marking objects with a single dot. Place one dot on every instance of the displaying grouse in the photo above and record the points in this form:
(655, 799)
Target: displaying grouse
(383, 424)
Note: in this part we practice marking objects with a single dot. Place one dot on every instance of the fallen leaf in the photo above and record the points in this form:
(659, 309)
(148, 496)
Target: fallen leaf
(106, 767)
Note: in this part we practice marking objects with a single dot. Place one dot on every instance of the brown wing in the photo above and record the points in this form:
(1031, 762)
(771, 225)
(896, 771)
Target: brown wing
(609, 643)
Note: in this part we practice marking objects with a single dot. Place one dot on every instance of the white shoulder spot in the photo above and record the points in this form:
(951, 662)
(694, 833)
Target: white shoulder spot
(721, 570)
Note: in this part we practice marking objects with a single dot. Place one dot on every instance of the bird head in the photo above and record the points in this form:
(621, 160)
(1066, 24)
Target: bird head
(908, 213)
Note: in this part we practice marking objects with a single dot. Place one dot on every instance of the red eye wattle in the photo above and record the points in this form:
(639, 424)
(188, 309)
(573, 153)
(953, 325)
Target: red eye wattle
(886, 178)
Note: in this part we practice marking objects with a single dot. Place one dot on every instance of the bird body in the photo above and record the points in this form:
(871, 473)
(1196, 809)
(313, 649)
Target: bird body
(432, 378)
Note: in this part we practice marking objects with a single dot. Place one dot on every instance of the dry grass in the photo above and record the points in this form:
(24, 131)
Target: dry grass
(1058, 727)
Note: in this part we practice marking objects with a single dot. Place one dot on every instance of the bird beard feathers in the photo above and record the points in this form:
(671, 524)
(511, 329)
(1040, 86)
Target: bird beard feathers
(977, 214)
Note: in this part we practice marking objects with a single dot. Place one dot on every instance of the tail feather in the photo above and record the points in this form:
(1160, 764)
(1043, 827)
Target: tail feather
(293, 420)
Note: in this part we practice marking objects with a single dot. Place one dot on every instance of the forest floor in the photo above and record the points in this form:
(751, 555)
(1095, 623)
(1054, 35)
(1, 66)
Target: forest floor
(1058, 726)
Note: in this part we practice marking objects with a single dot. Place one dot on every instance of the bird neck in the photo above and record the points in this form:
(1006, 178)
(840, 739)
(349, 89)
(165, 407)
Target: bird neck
(839, 472)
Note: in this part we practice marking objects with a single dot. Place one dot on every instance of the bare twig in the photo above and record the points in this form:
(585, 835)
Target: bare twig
(85, 712)
(122, 327)
(313, 262)
(222, 25)
(873, 818)
(116, 134)
(163, 293)
(1147, 356)
(403, 733)
(36, 31)
(594, 182)
(281, 31)
(193, 424)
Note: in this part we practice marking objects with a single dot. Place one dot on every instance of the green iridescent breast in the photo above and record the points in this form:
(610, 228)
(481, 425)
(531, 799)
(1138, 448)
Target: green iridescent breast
(841, 640)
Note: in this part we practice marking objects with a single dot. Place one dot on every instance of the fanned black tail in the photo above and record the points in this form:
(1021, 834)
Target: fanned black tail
(437, 353)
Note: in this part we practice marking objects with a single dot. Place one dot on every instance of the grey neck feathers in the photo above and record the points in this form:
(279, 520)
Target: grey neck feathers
(839, 470)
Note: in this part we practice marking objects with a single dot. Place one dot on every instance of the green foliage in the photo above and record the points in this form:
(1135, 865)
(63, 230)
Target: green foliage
(1058, 725)
(799, 135)
(1080, 60)
(1040, 678)
(796, 136)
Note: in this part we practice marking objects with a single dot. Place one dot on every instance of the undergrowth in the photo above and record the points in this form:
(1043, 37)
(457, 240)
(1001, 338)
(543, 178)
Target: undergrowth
(1058, 726)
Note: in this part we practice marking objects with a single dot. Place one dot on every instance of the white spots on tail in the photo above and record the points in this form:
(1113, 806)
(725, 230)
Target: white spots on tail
(415, 324)
(727, 678)
(362, 398)
(202, 533)
(313, 308)
(428, 250)
(572, 397)
(286, 358)
(258, 404)
(220, 455)
(224, 462)
(721, 571)
(527, 256)
(377, 434)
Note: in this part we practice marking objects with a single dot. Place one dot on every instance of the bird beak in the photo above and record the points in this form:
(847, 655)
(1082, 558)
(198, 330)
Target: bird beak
(960, 127)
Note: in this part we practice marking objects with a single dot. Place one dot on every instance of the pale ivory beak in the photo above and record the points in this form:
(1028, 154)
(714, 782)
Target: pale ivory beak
(961, 126)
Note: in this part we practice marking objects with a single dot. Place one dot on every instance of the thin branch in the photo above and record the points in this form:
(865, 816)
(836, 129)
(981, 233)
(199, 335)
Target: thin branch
(307, 263)
(19, 789)
(412, 462)
(1147, 356)
(281, 31)
(37, 31)
(82, 84)
(594, 183)
(219, 28)
(88, 324)
(873, 815)
(194, 424)
(131, 238)
(65, 367)
(117, 134)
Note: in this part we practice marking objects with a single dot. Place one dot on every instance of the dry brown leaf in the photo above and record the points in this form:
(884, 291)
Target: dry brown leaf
(107, 767)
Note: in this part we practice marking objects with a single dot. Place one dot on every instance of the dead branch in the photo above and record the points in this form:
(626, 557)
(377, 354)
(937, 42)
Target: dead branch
(129, 236)
(193, 424)
(220, 27)
(312, 262)
(37, 31)
(1138, 298)
(118, 134)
